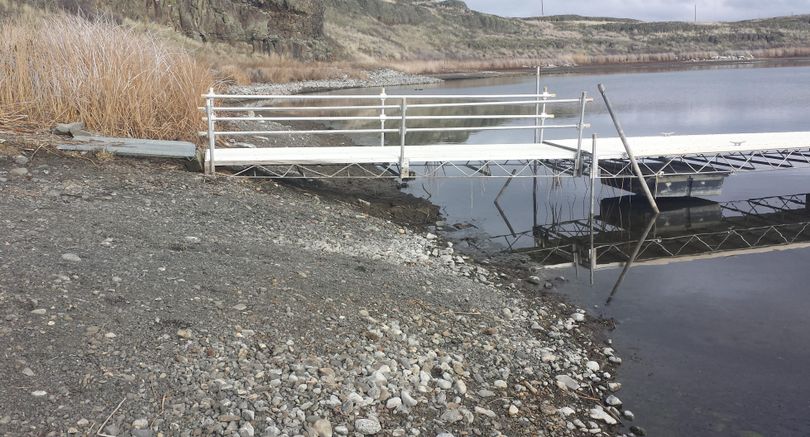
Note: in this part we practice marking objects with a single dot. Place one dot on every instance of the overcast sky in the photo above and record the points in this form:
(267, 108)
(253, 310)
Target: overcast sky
(654, 10)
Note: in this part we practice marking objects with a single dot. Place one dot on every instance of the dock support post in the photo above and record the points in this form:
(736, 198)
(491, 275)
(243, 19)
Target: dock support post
(583, 100)
(210, 169)
(404, 170)
(629, 151)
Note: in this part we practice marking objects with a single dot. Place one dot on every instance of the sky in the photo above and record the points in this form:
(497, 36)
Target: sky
(651, 10)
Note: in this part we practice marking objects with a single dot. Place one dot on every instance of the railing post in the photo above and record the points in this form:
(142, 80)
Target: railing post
(543, 120)
(382, 118)
(212, 140)
(404, 170)
(537, 108)
(583, 100)
(629, 151)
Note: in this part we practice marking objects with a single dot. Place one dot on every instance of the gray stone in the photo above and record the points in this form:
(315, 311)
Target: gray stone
(407, 399)
(534, 280)
(69, 128)
(140, 423)
(613, 401)
(112, 429)
(142, 433)
(452, 416)
(461, 387)
(342, 429)
(21, 160)
(72, 257)
(323, 427)
(637, 430)
(240, 307)
(393, 403)
(489, 413)
(247, 430)
(39, 393)
(565, 381)
(19, 172)
(593, 366)
(599, 414)
(39, 311)
(444, 434)
(629, 415)
(367, 426)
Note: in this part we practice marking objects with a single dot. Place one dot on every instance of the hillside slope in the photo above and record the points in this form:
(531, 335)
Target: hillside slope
(419, 29)
(391, 31)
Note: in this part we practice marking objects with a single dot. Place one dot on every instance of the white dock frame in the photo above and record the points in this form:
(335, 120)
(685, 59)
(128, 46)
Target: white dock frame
(399, 117)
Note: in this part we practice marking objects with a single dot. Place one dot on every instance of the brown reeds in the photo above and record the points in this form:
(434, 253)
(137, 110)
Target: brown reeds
(63, 68)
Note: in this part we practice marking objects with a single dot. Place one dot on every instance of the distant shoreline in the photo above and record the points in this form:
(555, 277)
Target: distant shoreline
(628, 67)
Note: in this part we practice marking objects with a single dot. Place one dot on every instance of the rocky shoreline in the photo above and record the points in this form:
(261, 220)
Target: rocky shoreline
(138, 299)
(376, 78)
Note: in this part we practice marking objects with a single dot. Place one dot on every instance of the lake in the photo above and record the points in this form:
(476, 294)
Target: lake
(712, 344)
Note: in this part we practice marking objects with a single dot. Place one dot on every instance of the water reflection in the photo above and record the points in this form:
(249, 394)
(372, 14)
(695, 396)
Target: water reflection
(626, 232)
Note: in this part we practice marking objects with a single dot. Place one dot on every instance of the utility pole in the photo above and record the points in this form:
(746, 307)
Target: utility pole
(695, 13)
(542, 8)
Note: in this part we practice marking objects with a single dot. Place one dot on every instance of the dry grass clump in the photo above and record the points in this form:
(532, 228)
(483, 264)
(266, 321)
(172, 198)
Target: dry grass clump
(117, 81)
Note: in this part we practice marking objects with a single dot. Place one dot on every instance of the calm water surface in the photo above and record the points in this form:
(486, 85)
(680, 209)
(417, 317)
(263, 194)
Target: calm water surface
(711, 347)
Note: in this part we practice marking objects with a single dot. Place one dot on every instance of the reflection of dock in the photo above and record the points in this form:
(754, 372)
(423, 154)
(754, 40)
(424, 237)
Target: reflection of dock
(627, 230)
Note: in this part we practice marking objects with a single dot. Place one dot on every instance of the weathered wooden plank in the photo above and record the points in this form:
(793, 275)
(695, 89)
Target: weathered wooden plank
(133, 147)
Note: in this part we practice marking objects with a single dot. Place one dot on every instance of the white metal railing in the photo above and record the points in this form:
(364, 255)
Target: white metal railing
(400, 113)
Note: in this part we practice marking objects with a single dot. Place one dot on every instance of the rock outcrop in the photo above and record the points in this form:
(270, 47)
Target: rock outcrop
(292, 27)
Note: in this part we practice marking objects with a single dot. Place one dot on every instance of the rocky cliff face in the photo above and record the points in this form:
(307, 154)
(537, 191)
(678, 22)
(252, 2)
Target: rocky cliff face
(293, 27)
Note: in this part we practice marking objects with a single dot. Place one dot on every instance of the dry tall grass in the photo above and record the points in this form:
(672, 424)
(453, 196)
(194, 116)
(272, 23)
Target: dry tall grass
(64, 68)
(272, 68)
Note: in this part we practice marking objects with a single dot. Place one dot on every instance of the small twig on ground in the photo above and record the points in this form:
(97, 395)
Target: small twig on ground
(108, 419)
(588, 398)
(35, 151)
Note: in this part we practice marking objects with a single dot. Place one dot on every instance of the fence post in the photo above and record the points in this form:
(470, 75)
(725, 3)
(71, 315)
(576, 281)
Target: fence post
(580, 130)
(404, 170)
(382, 117)
(212, 140)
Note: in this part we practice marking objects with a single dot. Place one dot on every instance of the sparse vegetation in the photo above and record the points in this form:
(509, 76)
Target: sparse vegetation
(60, 68)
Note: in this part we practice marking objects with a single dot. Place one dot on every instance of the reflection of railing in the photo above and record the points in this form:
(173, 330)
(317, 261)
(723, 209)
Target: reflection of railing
(400, 118)
(628, 232)
(684, 230)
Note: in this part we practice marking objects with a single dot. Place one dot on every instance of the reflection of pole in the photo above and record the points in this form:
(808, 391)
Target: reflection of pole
(591, 215)
(629, 151)
(498, 205)
(632, 258)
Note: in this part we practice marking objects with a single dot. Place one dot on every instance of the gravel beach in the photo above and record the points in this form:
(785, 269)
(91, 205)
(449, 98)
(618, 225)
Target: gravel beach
(376, 78)
(139, 299)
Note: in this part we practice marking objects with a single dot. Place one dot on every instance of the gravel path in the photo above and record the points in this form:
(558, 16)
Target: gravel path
(149, 300)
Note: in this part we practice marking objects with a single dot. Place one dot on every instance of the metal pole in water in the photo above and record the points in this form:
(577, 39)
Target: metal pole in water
(404, 171)
(209, 110)
(629, 151)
